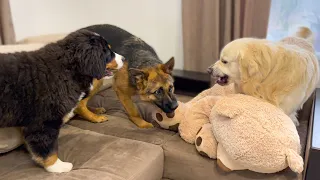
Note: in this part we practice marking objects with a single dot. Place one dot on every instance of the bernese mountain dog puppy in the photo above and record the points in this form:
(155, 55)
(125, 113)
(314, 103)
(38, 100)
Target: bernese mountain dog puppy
(39, 89)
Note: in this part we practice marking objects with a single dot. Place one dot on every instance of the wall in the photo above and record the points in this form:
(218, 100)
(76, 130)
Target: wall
(158, 22)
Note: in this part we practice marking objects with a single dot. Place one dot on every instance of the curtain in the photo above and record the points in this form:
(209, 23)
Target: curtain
(7, 34)
(208, 25)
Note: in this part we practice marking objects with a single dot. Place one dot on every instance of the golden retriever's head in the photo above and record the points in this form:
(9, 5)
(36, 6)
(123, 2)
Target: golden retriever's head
(226, 70)
(239, 60)
(258, 67)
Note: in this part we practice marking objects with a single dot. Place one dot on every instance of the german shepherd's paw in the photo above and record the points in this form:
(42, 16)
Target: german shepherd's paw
(99, 118)
(99, 110)
(141, 123)
(145, 125)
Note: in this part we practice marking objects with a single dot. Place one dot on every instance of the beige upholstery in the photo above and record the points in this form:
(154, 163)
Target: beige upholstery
(42, 39)
(94, 156)
(20, 47)
(10, 138)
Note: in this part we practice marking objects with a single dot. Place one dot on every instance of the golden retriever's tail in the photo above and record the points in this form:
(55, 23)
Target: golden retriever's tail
(306, 33)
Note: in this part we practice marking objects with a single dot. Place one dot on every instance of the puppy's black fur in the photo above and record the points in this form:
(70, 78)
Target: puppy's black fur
(38, 88)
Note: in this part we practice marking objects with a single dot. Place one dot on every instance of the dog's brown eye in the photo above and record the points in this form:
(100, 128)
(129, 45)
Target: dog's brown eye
(157, 92)
(224, 61)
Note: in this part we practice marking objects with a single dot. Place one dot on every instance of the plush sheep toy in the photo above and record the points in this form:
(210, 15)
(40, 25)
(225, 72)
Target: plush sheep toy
(240, 131)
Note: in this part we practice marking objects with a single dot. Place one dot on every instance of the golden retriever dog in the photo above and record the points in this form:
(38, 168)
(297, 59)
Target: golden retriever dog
(284, 73)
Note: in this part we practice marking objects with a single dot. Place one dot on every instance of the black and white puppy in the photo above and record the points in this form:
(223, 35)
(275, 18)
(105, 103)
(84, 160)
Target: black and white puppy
(39, 88)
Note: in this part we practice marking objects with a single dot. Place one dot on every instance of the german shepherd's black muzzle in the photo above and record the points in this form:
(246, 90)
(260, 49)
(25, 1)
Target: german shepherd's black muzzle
(168, 104)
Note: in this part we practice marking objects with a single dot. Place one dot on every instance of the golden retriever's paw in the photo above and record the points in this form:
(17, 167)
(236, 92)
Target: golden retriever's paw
(99, 110)
(99, 118)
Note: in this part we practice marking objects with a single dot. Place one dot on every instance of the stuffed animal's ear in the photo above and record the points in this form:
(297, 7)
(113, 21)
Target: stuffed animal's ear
(227, 107)
(168, 66)
(138, 75)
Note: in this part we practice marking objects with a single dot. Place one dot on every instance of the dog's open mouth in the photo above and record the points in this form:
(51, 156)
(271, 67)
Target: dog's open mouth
(222, 80)
(108, 73)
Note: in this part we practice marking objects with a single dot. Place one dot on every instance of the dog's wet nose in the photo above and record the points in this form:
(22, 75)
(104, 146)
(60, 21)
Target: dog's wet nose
(209, 70)
(173, 106)
(123, 59)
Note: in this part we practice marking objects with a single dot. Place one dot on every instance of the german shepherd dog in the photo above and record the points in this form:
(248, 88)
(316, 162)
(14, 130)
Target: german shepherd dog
(143, 73)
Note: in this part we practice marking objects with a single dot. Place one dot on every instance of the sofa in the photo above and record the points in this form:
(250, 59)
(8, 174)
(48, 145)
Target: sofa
(118, 150)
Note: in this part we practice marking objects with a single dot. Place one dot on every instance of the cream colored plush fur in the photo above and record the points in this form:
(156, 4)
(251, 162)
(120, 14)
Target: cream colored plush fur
(190, 119)
(284, 73)
(241, 131)
(255, 134)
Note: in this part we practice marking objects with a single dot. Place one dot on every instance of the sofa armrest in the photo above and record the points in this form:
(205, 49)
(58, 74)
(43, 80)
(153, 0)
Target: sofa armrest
(43, 39)
(312, 156)
(20, 47)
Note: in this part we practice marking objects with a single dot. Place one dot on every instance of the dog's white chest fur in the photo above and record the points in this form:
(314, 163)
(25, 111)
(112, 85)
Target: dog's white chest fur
(71, 114)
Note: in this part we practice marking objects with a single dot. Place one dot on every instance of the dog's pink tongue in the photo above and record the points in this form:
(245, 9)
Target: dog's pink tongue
(108, 73)
(222, 80)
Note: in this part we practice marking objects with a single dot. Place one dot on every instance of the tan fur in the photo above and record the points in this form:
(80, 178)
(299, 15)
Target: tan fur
(157, 77)
(94, 115)
(124, 92)
(305, 33)
(284, 73)
(50, 160)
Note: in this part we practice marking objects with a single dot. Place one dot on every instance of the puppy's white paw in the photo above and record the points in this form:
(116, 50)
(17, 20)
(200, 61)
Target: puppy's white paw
(59, 167)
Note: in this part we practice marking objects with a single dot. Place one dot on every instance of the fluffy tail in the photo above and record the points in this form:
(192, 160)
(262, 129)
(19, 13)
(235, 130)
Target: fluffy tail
(305, 33)
(295, 161)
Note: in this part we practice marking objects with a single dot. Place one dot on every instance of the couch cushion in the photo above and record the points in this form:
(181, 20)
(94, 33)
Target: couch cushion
(124, 128)
(94, 156)
(182, 161)
(20, 47)
(45, 39)
(118, 124)
(10, 138)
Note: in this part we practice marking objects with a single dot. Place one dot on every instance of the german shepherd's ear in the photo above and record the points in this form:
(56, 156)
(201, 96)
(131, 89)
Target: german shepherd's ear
(139, 75)
(168, 66)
